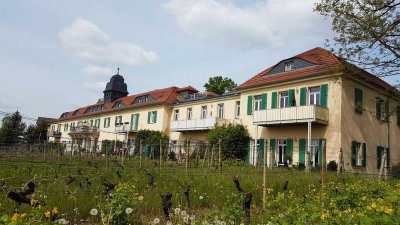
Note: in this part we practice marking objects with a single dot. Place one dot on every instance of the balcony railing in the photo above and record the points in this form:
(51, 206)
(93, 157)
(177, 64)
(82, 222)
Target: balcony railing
(88, 130)
(54, 133)
(125, 128)
(298, 114)
(195, 124)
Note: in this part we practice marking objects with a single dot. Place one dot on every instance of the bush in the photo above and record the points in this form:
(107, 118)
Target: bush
(332, 166)
(394, 171)
(235, 139)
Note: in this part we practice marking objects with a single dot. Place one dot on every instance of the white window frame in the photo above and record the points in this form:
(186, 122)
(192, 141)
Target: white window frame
(237, 110)
(314, 97)
(282, 149)
(359, 154)
(176, 114)
(314, 148)
(152, 117)
(283, 98)
(189, 115)
(221, 111)
(257, 102)
(289, 65)
(204, 112)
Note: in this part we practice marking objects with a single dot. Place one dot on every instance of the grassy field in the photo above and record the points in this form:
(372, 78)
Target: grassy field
(75, 186)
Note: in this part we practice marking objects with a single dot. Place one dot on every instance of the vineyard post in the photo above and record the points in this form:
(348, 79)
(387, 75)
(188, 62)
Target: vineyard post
(205, 155)
(210, 164)
(161, 154)
(323, 180)
(140, 153)
(220, 155)
(265, 175)
(187, 154)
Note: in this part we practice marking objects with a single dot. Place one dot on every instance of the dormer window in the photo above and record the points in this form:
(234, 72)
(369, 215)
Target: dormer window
(119, 104)
(289, 66)
(143, 99)
(76, 113)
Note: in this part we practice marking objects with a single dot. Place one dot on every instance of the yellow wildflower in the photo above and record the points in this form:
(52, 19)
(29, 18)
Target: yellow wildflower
(324, 216)
(23, 215)
(47, 214)
(389, 211)
(140, 198)
(54, 211)
(373, 205)
(15, 217)
(33, 202)
(363, 198)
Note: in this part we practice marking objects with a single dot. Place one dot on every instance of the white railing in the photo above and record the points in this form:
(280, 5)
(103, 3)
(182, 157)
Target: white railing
(54, 133)
(83, 130)
(298, 114)
(195, 124)
(125, 128)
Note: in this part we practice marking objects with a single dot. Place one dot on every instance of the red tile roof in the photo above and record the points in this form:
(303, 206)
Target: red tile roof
(325, 62)
(160, 96)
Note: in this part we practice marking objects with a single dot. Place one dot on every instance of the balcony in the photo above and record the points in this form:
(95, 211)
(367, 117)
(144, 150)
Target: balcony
(84, 130)
(54, 133)
(195, 124)
(298, 114)
(124, 128)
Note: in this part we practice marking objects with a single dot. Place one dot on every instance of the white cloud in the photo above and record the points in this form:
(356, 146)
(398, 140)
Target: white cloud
(87, 41)
(96, 87)
(264, 23)
(94, 70)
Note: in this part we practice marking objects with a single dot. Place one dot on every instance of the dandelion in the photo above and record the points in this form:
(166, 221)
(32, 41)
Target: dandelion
(201, 197)
(63, 221)
(94, 212)
(389, 211)
(183, 213)
(140, 198)
(324, 216)
(33, 202)
(156, 221)
(177, 211)
(128, 211)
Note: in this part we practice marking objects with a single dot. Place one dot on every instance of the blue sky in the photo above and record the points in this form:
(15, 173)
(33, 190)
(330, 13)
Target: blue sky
(57, 56)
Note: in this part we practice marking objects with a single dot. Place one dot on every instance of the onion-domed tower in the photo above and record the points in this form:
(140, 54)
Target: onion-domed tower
(115, 89)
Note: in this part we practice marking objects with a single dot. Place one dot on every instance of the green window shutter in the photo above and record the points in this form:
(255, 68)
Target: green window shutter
(378, 108)
(155, 116)
(289, 150)
(120, 119)
(353, 153)
(303, 96)
(324, 95)
(91, 123)
(148, 117)
(116, 120)
(274, 99)
(387, 117)
(388, 157)
(109, 121)
(378, 156)
(132, 117)
(320, 150)
(263, 101)
(292, 98)
(261, 159)
(272, 145)
(137, 122)
(249, 104)
(364, 149)
(358, 100)
(302, 151)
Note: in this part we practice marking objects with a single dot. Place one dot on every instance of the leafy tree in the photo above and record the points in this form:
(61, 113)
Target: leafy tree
(368, 32)
(36, 133)
(12, 128)
(219, 85)
(234, 137)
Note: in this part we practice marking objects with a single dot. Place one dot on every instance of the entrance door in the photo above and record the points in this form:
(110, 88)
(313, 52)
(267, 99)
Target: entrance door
(314, 152)
(282, 145)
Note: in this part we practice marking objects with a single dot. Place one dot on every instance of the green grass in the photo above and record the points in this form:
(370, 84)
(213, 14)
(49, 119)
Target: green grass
(76, 199)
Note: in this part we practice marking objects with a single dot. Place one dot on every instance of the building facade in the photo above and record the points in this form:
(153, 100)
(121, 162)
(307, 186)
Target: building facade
(290, 109)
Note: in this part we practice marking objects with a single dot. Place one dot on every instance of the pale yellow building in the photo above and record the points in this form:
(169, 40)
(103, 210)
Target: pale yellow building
(291, 108)
(313, 98)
